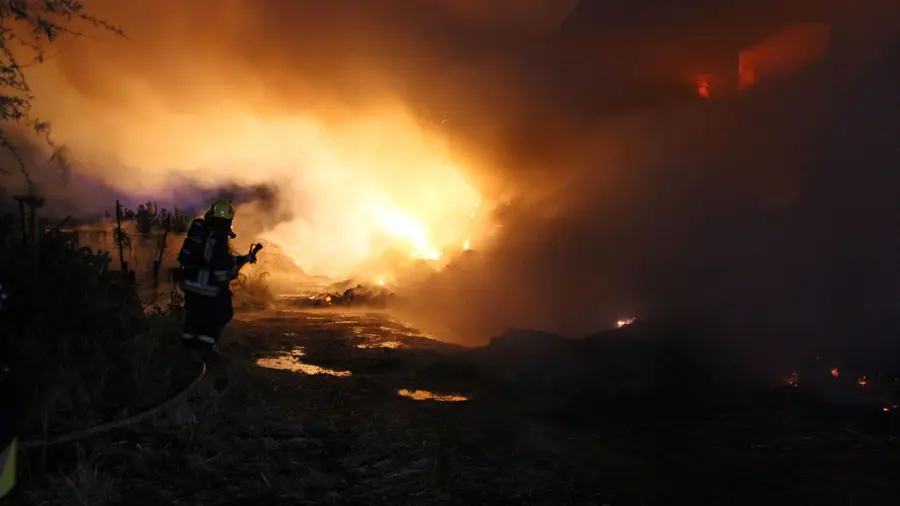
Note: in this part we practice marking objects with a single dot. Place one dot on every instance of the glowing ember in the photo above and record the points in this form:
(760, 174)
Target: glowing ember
(835, 373)
(393, 345)
(703, 86)
(428, 255)
(425, 395)
(863, 380)
(624, 322)
(315, 369)
(793, 380)
(290, 362)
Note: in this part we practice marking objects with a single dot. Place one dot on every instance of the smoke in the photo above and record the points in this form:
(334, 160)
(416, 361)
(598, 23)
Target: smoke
(768, 216)
(66, 192)
(339, 106)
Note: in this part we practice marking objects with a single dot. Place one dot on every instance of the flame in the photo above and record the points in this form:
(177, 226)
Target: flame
(392, 345)
(425, 395)
(427, 255)
(835, 372)
(863, 380)
(405, 228)
(624, 322)
(703, 85)
(351, 184)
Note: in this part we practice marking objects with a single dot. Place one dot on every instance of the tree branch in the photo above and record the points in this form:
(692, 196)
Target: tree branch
(32, 25)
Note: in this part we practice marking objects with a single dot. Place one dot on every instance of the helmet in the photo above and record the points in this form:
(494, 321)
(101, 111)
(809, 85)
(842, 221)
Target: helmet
(222, 208)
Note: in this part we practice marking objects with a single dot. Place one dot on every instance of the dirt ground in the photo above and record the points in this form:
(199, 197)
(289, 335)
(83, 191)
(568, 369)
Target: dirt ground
(327, 408)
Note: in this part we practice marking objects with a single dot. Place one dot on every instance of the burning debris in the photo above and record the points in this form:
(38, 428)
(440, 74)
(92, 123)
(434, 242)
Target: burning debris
(425, 395)
(392, 345)
(874, 389)
(624, 322)
(340, 294)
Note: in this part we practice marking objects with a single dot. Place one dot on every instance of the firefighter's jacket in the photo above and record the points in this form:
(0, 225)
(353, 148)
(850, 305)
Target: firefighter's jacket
(206, 260)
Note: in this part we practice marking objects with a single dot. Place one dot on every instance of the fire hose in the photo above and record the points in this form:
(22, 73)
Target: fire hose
(251, 257)
(120, 422)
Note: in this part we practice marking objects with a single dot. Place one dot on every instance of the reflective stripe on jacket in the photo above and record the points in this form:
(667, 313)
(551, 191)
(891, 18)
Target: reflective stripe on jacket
(212, 265)
(8, 468)
(201, 284)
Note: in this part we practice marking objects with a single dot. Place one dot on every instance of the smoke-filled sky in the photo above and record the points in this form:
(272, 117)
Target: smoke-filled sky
(386, 121)
(338, 103)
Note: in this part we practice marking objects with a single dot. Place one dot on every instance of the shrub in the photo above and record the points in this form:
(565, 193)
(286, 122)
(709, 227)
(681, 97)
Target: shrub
(82, 346)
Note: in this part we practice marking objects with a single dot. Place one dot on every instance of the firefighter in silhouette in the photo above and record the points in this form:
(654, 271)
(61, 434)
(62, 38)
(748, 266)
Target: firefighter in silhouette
(207, 268)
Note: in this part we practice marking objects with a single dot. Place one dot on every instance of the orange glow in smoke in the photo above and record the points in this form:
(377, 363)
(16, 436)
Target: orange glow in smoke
(703, 86)
(624, 322)
(356, 182)
(746, 74)
(787, 50)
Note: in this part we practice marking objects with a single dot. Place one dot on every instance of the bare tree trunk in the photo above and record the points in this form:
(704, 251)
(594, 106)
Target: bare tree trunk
(162, 252)
(120, 239)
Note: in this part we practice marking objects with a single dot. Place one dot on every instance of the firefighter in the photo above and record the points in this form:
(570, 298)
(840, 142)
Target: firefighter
(207, 268)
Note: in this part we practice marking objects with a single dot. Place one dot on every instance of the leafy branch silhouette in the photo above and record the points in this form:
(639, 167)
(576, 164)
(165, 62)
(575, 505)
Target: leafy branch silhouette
(28, 29)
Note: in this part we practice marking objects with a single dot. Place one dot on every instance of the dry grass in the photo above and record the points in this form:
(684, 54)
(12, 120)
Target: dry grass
(92, 350)
(252, 435)
(271, 435)
(251, 288)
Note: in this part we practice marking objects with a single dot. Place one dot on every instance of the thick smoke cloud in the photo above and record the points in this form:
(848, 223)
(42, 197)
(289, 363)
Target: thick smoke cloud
(67, 191)
(768, 217)
(337, 104)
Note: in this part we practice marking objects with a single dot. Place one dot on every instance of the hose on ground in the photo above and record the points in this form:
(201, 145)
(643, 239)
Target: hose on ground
(117, 423)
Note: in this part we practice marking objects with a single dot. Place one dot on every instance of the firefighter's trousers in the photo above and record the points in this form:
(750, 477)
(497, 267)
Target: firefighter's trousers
(206, 316)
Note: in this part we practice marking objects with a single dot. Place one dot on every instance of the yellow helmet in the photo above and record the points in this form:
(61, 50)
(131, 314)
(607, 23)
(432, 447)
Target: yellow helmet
(222, 208)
